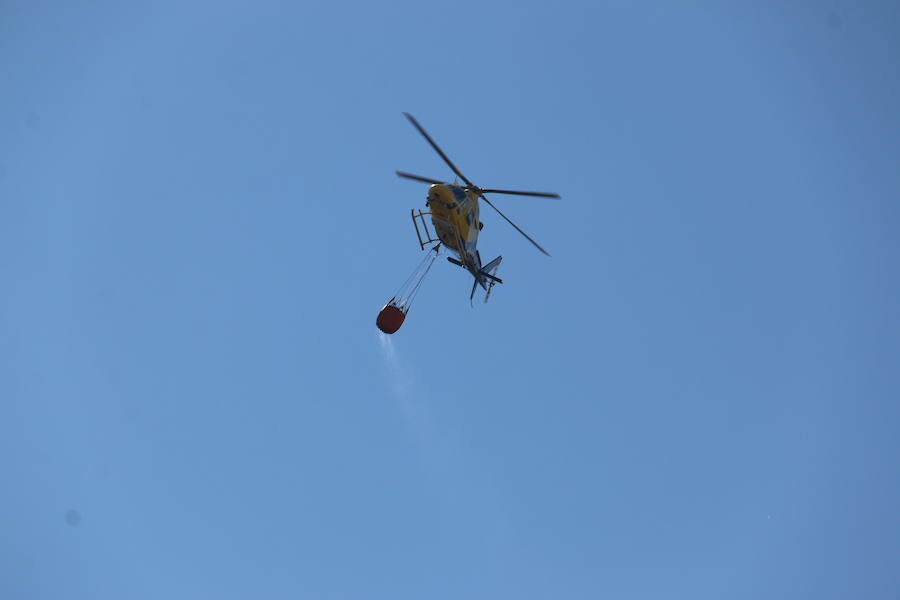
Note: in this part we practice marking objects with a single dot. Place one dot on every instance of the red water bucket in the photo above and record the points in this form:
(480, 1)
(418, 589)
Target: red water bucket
(390, 318)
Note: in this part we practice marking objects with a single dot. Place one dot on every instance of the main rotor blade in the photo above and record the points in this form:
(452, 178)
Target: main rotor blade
(437, 149)
(515, 193)
(536, 245)
(417, 177)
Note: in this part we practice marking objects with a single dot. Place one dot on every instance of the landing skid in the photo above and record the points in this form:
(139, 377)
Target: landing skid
(416, 218)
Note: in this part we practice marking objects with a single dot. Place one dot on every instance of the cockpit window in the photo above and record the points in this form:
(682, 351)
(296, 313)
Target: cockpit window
(459, 194)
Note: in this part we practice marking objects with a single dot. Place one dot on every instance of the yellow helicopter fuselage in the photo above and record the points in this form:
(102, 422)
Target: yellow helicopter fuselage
(454, 215)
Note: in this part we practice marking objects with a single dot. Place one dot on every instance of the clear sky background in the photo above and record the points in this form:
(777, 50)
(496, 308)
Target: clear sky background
(697, 396)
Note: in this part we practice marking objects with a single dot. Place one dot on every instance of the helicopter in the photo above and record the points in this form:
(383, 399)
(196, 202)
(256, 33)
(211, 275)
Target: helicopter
(454, 215)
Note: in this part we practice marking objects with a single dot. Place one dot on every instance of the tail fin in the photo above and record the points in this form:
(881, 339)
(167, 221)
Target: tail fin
(491, 267)
(490, 270)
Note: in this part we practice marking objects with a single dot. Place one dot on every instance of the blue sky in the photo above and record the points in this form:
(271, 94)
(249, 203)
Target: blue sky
(695, 397)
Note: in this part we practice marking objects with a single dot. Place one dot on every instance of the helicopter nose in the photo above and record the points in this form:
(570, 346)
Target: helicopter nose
(439, 193)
